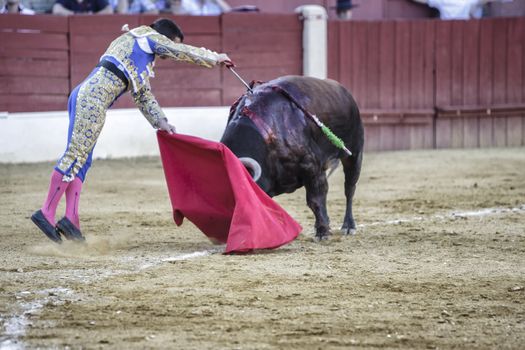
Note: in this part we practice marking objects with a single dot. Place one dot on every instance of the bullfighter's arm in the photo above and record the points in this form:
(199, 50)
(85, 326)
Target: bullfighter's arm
(148, 105)
(164, 47)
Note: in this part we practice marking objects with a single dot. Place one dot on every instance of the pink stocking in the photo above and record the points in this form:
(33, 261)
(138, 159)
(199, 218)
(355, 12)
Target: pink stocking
(57, 187)
(72, 199)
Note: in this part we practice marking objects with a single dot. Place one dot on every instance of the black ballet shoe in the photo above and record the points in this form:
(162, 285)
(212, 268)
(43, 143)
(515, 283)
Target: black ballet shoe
(49, 230)
(69, 230)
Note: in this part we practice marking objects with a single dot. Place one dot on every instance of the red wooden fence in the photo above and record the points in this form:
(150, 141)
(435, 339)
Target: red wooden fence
(260, 50)
(388, 68)
(34, 55)
(419, 83)
(44, 63)
(432, 83)
(264, 47)
(480, 95)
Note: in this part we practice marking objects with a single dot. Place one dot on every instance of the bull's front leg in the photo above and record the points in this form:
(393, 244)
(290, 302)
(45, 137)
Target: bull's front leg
(316, 190)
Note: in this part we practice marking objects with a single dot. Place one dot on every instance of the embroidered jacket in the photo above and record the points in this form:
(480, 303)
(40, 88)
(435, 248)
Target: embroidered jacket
(134, 53)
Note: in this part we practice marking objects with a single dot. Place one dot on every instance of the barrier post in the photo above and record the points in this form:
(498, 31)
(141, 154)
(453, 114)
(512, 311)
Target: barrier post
(314, 40)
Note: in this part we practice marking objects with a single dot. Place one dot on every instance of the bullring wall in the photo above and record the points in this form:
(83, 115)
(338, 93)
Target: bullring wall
(419, 83)
(46, 56)
(433, 83)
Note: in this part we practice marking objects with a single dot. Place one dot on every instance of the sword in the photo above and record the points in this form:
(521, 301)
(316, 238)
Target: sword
(241, 79)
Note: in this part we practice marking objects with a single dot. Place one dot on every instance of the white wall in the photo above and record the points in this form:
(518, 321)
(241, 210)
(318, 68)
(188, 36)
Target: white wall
(36, 137)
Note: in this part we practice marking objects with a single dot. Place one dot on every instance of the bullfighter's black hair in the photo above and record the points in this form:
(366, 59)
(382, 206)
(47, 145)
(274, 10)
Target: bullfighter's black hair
(168, 28)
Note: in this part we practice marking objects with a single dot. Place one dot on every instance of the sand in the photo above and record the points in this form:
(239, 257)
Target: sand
(438, 262)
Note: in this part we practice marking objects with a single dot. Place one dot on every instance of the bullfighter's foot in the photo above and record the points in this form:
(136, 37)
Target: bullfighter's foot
(69, 230)
(45, 226)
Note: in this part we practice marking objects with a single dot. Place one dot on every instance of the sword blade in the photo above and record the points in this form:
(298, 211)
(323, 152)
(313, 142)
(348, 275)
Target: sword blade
(241, 79)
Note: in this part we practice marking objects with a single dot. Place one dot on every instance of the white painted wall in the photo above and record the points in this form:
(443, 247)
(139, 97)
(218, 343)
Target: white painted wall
(36, 137)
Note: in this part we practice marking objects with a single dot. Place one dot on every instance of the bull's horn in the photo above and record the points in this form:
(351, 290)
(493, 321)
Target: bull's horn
(253, 167)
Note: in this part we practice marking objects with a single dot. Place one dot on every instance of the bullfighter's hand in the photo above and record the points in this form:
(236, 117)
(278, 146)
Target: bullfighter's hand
(225, 60)
(164, 125)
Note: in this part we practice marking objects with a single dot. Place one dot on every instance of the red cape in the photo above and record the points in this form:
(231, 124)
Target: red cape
(209, 185)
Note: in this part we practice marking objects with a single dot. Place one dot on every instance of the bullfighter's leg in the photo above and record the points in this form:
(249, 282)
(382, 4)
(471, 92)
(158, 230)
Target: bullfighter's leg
(44, 218)
(316, 190)
(69, 225)
(87, 107)
(352, 170)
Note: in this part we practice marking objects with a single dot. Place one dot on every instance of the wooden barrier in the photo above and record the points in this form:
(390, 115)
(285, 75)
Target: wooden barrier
(261, 51)
(480, 78)
(48, 56)
(419, 83)
(35, 61)
(462, 81)
(263, 47)
(388, 67)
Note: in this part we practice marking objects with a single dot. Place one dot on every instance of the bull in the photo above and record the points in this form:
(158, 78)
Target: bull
(270, 130)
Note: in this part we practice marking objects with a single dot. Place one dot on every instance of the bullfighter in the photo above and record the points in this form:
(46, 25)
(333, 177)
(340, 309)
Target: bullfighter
(126, 65)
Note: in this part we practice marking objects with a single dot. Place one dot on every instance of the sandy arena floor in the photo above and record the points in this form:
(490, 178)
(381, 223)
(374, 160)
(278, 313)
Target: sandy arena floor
(438, 262)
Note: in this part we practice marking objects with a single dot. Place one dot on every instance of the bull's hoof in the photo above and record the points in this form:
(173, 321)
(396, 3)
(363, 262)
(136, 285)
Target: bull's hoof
(322, 235)
(321, 238)
(348, 230)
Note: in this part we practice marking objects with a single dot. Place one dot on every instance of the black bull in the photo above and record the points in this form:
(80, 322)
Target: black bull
(284, 149)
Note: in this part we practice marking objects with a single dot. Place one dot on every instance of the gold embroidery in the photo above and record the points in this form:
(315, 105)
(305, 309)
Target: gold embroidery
(122, 47)
(149, 106)
(94, 98)
(99, 91)
(182, 52)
